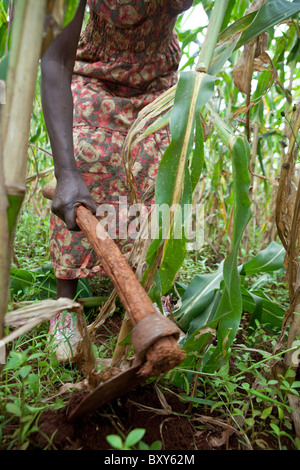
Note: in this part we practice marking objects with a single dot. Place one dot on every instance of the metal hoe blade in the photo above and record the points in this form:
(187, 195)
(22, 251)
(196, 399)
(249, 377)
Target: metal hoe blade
(108, 391)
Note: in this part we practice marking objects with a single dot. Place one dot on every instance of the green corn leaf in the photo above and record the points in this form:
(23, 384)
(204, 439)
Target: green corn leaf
(270, 14)
(20, 280)
(206, 316)
(228, 13)
(43, 284)
(197, 297)
(245, 29)
(175, 181)
(6, 5)
(197, 161)
(70, 10)
(193, 91)
(268, 312)
(201, 297)
(269, 260)
(3, 36)
(230, 307)
(15, 203)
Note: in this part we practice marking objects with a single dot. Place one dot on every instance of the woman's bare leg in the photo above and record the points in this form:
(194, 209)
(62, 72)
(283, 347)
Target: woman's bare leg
(67, 288)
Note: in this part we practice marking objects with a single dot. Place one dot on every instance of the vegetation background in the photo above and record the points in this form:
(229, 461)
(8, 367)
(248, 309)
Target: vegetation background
(236, 295)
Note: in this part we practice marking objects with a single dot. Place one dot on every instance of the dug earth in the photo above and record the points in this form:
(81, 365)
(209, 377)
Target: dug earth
(170, 423)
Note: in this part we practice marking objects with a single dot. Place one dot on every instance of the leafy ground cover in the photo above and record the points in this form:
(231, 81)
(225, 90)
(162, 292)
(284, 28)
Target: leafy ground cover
(225, 395)
(241, 406)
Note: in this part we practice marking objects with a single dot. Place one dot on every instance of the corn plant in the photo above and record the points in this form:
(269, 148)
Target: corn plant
(19, 69)
(183, 161)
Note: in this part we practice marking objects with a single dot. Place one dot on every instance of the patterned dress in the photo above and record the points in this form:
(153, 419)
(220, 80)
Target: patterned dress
(128, 54)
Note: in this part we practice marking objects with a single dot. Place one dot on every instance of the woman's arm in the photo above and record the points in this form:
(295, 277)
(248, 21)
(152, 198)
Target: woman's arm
(57, 70)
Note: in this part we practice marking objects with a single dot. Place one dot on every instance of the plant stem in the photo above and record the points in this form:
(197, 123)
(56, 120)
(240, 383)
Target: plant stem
(27, 36)
(212, 35)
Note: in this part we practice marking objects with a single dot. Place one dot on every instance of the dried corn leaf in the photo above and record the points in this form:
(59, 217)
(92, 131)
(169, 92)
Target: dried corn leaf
(25, 319)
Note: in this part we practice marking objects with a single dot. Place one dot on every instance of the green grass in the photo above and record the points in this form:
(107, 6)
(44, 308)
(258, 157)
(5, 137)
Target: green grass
(31, 247)
(30, 376)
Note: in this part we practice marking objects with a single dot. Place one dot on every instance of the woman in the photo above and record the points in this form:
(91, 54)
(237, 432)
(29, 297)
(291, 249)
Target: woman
(127, 55)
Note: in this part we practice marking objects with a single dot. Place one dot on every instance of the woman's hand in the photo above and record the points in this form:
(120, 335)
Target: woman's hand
(71, 191)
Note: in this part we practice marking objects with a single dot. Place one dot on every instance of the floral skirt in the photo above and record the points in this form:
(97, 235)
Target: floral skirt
(98, 154)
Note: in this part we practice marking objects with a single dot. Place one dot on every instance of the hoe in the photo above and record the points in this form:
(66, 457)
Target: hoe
(154, 337)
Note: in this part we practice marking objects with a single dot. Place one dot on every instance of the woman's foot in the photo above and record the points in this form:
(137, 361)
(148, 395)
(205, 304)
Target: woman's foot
(65, 335)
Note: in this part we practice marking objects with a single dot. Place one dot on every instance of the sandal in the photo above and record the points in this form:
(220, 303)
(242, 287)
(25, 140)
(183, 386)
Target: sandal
(65, 335)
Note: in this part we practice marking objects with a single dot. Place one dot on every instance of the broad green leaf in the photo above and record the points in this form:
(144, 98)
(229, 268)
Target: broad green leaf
(15, 203)
(268, 312)
(156, 445)
(192, 90)
(230, 307)
(197, 161)
(115, 441)
(6, 5)
(249, 27)
(134, 437)
(207, 316)
(4, 67)
(15, 360)
(20, 279)
(269, 260)
(178, 173)
(24, 371)
(70, 10)
(14, 409)
(173, 258)
(155, 291)
(228, 13)
(197, 297)
(175, 181)
(202, 296)
(3, 38)
(197, 342)
(270, 14)
(43, 283)
(266, 412)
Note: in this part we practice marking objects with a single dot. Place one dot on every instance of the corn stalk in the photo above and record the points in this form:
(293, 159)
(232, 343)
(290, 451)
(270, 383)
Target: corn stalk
(27, 38)
(181, 165)
(27, 44)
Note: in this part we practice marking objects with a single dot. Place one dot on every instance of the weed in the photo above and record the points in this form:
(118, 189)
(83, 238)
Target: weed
(31, 240)
(131, 442)
(30, 374)
(244, 392)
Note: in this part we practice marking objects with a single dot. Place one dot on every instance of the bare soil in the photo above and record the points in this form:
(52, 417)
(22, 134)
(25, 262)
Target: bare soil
(168, 419)
(159, 410)
(138, 409)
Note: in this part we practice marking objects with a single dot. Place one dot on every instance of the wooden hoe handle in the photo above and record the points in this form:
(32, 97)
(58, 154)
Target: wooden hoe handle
(154, 336)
